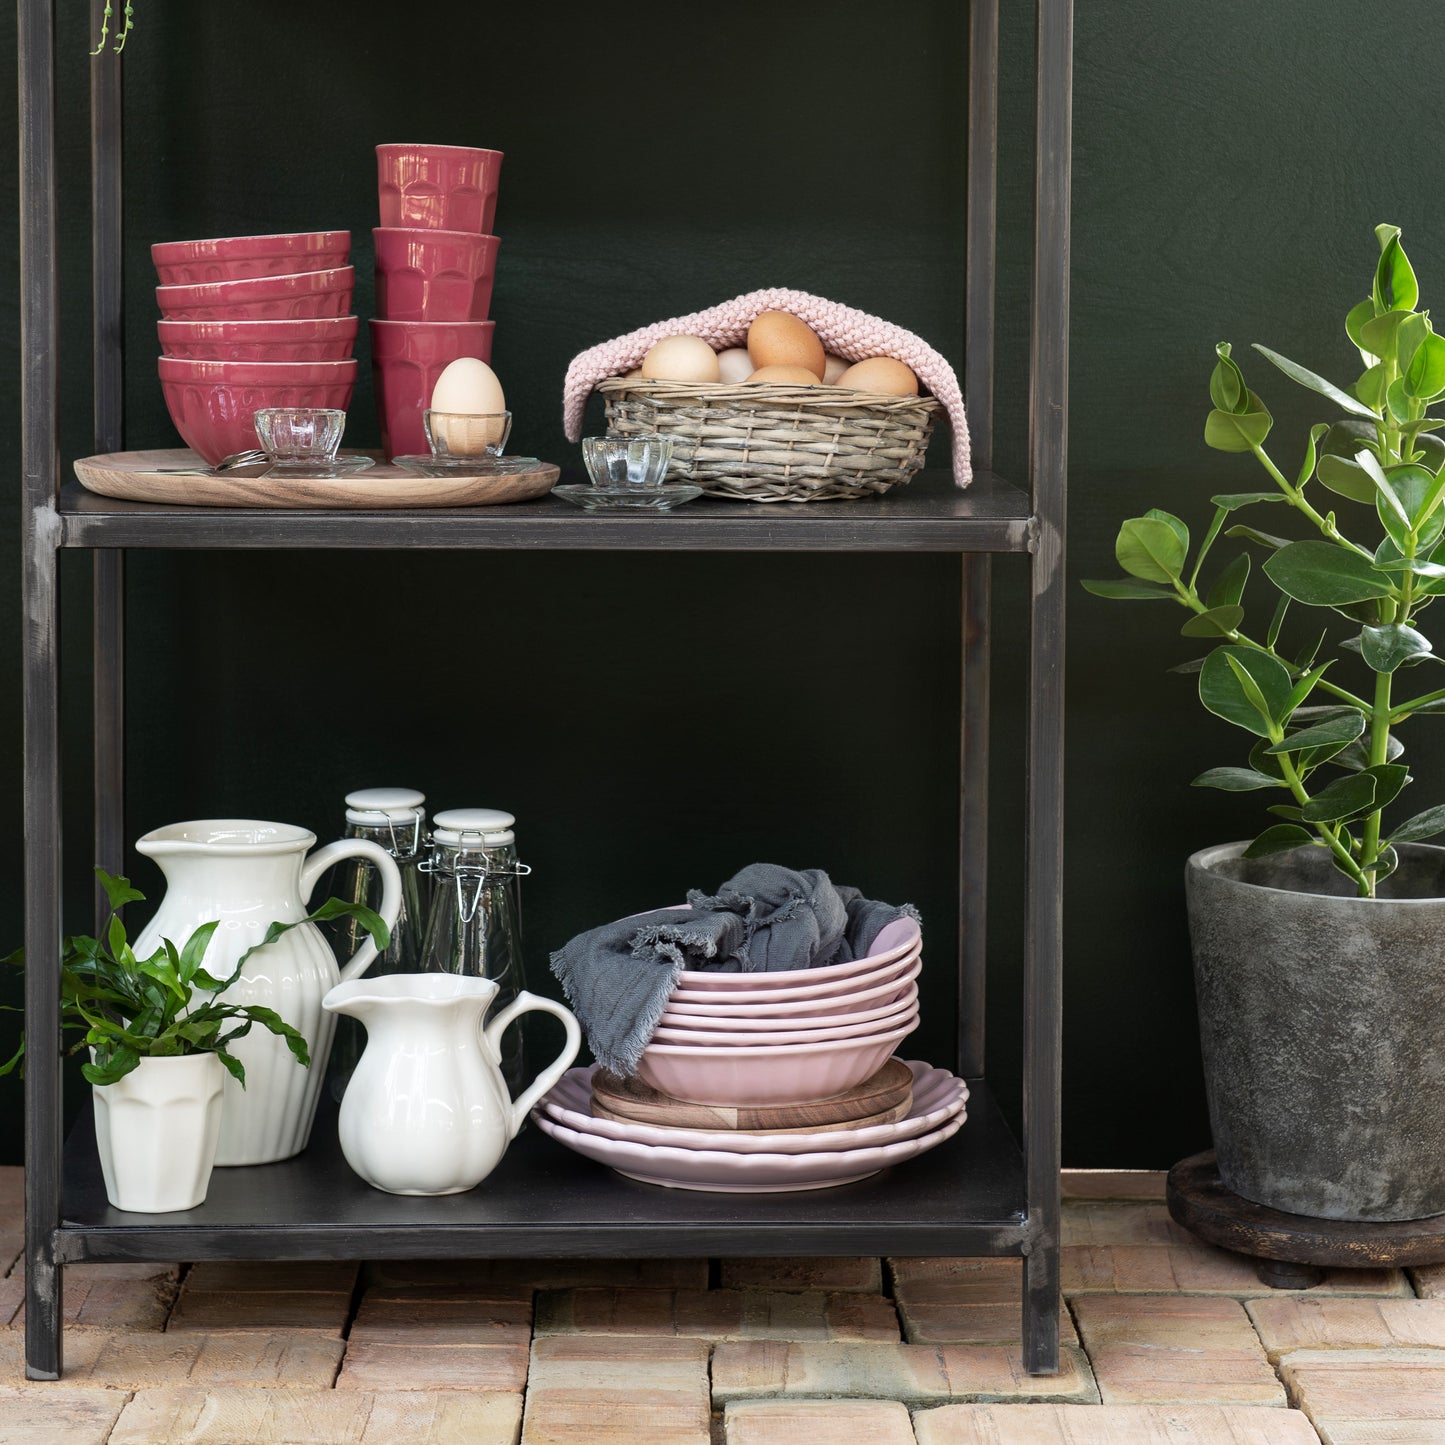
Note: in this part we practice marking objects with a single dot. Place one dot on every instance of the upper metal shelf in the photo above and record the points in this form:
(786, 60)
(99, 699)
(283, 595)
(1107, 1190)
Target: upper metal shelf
(928, 515)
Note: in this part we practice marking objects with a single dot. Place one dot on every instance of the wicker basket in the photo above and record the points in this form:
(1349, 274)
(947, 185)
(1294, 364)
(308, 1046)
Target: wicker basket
(759, 443)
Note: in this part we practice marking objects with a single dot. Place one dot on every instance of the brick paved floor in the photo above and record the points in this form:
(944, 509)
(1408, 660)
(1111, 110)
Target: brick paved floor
(1165, 1342)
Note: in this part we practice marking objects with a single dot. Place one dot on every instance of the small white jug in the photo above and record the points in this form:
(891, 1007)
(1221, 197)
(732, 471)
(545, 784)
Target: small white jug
(427, 1110)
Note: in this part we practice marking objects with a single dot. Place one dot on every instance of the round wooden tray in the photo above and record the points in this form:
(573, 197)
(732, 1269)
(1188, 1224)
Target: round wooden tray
(1200, 1200)
(633, 1101)
(133, 477)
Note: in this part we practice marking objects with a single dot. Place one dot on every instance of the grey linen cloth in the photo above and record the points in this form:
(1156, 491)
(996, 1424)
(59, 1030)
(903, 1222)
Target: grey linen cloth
(765, 919)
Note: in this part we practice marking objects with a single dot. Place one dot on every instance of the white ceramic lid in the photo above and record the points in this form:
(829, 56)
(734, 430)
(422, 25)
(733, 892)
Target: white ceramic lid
(474, 828)
(371, 807)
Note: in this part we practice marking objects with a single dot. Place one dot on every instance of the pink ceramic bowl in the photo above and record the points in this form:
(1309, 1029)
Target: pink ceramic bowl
(261, 298)
(213, 403)
(722, 1039)
(407, 357)
(891, 944)
(233, 258)
(433, 275)
(843, 995)
(776, 1074)
(321, 338)
(444, 188)
(766, 1025)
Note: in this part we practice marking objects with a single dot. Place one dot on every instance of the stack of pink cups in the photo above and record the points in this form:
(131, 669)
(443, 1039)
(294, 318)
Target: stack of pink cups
(250, 322)
(435, 260)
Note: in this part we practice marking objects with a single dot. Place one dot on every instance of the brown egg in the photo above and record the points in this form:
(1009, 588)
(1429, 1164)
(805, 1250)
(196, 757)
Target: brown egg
(833, 368)
(680, 358)
(785, 376)
(880, 374)
(778, 338)
(633, 375)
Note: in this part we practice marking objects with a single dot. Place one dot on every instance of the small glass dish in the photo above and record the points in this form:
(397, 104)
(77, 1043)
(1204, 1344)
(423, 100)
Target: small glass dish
(628, 499)
(627, 463)
(304, 441)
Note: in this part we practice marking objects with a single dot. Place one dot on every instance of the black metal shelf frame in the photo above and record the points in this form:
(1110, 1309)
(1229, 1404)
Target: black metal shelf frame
(982, 1193)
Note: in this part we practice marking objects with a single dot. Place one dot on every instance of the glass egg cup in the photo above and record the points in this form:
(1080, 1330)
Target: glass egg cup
(466, 436)
(305, 440)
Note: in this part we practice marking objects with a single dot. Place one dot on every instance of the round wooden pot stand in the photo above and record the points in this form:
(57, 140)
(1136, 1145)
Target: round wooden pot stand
(1293, 1251)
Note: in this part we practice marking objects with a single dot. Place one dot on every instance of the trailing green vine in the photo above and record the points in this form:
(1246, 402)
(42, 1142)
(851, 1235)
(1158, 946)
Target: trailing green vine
(1337, 760)
(127, 24)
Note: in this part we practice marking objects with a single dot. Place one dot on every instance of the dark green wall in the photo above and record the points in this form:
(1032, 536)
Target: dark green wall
(657, 721)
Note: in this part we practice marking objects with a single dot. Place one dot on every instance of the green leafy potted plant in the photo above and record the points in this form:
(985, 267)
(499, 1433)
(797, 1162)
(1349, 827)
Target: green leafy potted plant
(1319, 947)
(158, 1031)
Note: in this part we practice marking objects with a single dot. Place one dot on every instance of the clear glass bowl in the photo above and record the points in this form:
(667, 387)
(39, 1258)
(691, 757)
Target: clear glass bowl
(303, 436)
(616, 462)
(452, 434)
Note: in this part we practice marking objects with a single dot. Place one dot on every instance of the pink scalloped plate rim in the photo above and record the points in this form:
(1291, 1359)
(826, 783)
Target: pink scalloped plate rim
(716, 1171)
(937, 1096)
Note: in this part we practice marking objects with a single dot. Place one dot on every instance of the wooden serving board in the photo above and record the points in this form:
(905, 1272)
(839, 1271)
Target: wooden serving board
(133, 477)
(633, 1101)
(885, 1116)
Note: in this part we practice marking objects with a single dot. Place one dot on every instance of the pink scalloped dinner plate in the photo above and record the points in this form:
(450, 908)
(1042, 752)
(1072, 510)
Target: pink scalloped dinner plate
(720, 1171)
(937, 1096)
(765, 1017)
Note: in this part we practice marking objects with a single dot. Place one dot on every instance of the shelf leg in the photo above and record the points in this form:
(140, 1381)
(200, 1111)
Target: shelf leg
(40, 680)
(1041, 1311)
(1044, 880)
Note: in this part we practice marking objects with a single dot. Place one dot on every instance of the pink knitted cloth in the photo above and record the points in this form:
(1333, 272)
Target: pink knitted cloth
(853, 335)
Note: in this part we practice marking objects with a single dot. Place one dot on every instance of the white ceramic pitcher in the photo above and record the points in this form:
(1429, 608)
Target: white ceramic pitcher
(250, 874)
(427, 1110)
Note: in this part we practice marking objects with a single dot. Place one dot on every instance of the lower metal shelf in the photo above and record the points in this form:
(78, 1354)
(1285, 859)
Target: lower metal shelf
(964, 1198)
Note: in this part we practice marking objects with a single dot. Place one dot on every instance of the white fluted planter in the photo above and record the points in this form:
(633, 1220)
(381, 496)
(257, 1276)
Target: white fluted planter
(157, 1129)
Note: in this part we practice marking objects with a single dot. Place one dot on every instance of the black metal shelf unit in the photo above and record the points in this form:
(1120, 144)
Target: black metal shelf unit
(982, 1193)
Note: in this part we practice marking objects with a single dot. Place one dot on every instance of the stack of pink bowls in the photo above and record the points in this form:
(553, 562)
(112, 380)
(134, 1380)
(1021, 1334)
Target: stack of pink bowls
(436, 257)
(250, 322)
(787, 1038)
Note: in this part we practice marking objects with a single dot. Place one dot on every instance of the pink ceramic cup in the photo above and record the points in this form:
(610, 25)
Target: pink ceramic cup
(214, 403)
(319, 338)
(261, 298)
(424, 275)
(444, 188)
(233, 258)
(407, 357)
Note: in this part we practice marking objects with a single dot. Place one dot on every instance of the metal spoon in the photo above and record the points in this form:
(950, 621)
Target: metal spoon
(226, 464)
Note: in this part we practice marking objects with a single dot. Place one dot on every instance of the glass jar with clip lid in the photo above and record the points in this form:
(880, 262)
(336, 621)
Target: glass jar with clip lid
(395, 818)
(475, 923)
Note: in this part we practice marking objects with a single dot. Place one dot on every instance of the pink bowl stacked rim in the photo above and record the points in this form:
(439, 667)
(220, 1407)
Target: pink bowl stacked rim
(896, 1017)
(428, 275)
(891, 944)
(213, 403)
(767, 1074)
(262, 298)
(320, 338)
(839, 996)
(234, 258)
(441, 187)
(764, 1025)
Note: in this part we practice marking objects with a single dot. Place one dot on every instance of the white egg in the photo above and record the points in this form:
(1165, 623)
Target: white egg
(468, 387)
(734, 365)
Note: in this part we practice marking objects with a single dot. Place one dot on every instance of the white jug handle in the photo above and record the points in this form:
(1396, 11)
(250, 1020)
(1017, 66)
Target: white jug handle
(323, 858)
(523, 1003)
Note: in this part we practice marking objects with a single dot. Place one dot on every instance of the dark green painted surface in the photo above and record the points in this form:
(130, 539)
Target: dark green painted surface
(656, 721)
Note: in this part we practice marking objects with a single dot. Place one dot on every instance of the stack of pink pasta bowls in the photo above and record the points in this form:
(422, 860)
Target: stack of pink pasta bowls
(253, 322)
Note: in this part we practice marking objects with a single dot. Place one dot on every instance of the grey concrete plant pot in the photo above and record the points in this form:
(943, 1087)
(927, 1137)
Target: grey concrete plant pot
(1322, 1019)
